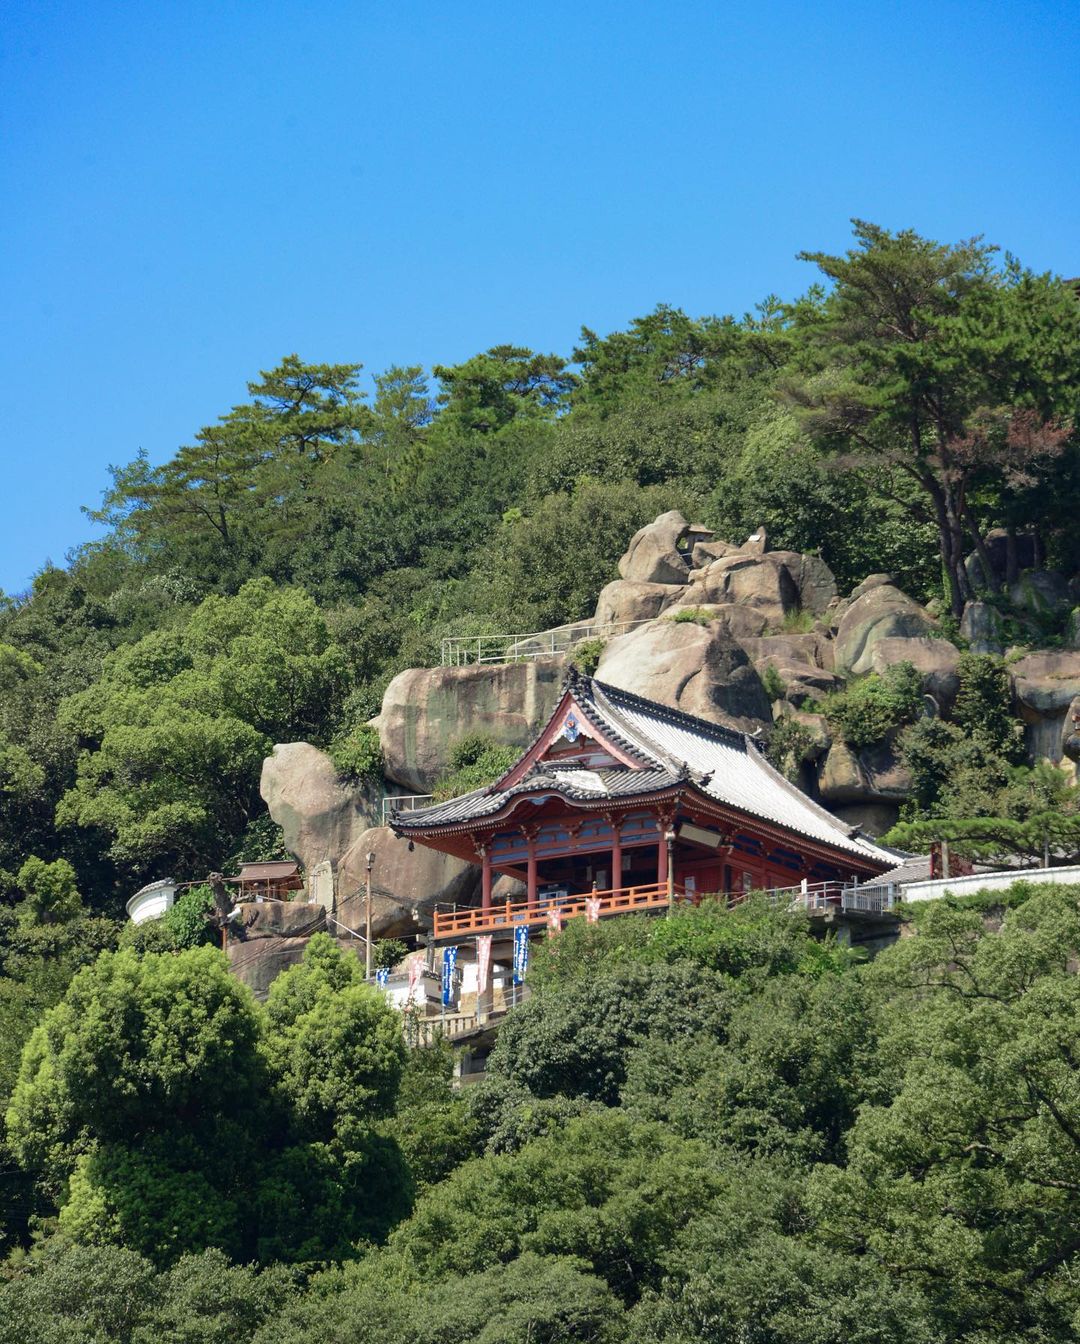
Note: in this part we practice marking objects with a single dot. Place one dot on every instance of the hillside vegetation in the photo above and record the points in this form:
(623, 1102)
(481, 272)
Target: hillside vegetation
(701, 1128)
(706, 1127)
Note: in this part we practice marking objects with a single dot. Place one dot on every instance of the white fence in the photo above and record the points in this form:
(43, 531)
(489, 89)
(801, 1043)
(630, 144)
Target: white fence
(819, 897)
(404, 802)
(999, 881)
(460, 650)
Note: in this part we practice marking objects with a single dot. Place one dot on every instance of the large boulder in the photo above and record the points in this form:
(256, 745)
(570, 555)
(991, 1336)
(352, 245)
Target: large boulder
(935, 659)
(1040, 592)
(701, 669)
(740, 622)
(996, 543)
(1045, 685)
(982, 627)
(801, 662)
(625, 600)
(813, 579)
(660, 552)
(319, 816)
(269, 937)
(874, 775)
(879, 612)
(759, 581)
(426, 710)
(406, 884)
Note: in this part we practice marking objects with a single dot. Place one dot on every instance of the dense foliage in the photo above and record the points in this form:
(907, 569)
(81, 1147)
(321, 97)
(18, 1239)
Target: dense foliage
(704, 1127)
(708, 1127)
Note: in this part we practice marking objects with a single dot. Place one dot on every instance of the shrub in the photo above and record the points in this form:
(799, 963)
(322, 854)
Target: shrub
(983, 703)
(476, 761)
(790, 743)
(865, 711)
(586, 655)
(774, 685)
(358, 754)
(689, 615)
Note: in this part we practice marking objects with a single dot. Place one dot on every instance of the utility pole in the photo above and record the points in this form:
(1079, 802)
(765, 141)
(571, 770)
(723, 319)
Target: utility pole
(367, 918)
(669, 840)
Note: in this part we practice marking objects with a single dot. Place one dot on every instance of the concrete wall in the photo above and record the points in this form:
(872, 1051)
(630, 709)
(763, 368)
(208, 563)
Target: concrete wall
(966, 886)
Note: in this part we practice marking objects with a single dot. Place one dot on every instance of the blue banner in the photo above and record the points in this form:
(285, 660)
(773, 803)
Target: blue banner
(449, 962)
(521, 953)
(382, 976)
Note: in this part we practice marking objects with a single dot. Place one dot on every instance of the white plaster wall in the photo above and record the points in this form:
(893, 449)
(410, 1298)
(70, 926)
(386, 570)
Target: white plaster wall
(965, 886)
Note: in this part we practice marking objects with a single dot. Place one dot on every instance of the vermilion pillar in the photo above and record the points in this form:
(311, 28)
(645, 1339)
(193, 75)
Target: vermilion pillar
(485, 881)
(616, 858)
(530, 880)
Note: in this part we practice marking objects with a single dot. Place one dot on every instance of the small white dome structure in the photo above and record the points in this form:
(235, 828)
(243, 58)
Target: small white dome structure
(151, 901)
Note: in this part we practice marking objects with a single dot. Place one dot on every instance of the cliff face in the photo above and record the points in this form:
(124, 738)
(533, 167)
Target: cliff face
(736, 634)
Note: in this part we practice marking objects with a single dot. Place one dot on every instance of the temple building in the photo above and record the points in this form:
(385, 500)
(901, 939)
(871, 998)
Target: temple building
(622, 804)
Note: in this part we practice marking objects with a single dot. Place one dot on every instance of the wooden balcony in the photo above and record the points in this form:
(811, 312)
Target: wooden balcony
(504, 917)
(817, 899)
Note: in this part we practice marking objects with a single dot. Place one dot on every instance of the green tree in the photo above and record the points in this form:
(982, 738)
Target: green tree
(964, 1182)
(175, 730)
(925, 359)
(50, 895)
(138, 1047)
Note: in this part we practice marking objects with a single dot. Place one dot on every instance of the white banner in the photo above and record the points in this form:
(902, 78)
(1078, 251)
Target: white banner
(554, 923)
(592, 909)
(483, 963)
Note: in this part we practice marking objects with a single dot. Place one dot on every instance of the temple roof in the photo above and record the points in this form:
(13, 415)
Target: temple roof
(669, 748)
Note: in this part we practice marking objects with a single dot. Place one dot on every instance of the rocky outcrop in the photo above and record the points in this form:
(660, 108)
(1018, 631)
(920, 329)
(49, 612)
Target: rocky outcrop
(880, 611)
(631, 600)
(981, 626)
(426, 710)
(801, 662)
(874, 775)
(812, 577)
(760, 582)
(319, 816)
(936, 659)
(269, 937)
(406, 884)
(701, 669)
(660, 552)
(1045, 685)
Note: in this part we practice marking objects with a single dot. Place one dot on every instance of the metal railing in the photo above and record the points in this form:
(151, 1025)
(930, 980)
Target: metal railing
(404, 802)
(820, 897)
(462, 650)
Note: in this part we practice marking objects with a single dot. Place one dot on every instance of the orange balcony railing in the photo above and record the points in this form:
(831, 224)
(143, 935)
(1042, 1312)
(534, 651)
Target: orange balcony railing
(504, 916)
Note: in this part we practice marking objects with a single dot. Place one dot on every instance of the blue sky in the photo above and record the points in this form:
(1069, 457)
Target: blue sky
(191, 191)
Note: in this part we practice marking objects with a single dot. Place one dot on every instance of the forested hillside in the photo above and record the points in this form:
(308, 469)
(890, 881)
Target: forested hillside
(698, 1129)
(708, 1127)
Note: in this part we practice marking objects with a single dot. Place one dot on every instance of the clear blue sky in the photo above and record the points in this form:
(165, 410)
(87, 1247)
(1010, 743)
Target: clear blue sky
(192, 190)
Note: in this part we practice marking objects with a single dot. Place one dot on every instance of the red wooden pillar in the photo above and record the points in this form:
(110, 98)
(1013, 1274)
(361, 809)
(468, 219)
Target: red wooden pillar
(485, 880)
(530, 880)
(616, 858)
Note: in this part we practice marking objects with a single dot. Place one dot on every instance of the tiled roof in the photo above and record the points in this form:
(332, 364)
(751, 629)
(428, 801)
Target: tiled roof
(728, 766)
(673, 747)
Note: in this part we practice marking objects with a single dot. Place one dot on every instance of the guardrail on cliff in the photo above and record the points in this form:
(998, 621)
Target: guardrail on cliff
(463, 650)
